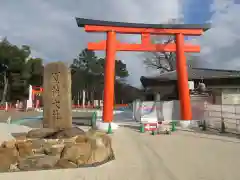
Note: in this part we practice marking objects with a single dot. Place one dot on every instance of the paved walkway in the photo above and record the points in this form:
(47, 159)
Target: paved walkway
(180, 156)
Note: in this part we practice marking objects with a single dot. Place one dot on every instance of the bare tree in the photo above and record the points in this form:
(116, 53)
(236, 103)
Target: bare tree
(162, 61)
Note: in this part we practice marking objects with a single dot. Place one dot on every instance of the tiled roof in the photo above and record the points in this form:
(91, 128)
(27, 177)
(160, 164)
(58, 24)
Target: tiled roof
(197, 73)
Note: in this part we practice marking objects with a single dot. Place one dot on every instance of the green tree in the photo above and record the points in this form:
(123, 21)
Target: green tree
(17, 70)
(14, 59)
(83, 71)
(88, 73)
(34, 71)
(120, 68)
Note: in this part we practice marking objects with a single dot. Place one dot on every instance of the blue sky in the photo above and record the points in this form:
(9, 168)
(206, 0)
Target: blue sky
(197, 11)
(220, 44)
(50, 29)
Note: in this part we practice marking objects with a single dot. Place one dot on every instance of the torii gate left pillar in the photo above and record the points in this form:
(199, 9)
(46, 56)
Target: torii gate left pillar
(112, 45)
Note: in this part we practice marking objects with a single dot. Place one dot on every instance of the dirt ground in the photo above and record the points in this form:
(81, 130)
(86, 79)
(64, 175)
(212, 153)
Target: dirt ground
(180, 156)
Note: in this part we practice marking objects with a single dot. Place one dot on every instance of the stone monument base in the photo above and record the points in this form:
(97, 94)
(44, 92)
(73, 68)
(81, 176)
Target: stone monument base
(185, 124)
(45, 148)
(104, 126)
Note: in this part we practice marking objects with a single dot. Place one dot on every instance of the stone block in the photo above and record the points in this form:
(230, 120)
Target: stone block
(57, 111)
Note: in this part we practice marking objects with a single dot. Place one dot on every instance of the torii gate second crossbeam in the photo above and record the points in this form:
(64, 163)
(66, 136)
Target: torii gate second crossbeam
(111, 45)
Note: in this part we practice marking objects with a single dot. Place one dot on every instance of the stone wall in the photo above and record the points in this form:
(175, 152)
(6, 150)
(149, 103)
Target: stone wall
(230, 114)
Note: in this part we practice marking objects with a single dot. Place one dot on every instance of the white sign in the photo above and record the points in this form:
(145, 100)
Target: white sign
(191, 85)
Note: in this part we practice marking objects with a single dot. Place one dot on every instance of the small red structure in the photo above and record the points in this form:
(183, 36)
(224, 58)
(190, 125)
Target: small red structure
(111, 45)
(37, 96)
(36, 90)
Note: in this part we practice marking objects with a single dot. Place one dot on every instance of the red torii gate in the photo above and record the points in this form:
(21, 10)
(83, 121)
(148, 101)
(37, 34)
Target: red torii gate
(111, 45)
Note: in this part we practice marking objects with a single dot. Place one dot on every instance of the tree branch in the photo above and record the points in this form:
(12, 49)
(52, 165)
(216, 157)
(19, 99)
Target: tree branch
(162, 59)
(155, 65)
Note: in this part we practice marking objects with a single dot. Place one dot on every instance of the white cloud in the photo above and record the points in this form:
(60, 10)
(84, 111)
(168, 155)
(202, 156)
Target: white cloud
(221, 43)
(50, 29)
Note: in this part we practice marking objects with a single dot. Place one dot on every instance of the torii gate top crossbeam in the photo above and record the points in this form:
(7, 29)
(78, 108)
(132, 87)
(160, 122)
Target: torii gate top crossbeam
(145, 30)
(91, 25)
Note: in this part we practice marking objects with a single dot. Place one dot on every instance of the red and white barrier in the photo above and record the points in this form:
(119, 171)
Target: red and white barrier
(150, 126)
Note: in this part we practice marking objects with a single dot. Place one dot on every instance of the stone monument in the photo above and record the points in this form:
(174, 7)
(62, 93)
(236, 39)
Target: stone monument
(57, 108)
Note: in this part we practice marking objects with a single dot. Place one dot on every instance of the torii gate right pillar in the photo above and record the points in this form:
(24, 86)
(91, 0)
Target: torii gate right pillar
(182, 73)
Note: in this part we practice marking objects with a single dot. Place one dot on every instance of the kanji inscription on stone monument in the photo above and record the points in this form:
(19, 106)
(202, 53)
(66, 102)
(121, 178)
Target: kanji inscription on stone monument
(57, 96)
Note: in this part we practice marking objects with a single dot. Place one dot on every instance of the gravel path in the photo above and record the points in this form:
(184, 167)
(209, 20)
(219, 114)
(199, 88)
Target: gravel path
(180, 156)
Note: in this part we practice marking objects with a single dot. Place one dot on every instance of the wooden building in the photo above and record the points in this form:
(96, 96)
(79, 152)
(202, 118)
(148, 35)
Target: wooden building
(222, 85)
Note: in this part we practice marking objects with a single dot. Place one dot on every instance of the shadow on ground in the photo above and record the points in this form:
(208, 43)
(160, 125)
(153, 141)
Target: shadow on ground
(211, 131)
(212, 135)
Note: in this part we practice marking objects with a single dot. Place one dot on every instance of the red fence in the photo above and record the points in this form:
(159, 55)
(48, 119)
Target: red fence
(75, 106)
(91, 106)
(3, 107)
